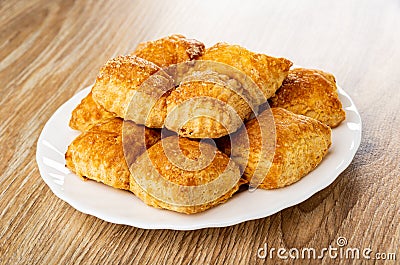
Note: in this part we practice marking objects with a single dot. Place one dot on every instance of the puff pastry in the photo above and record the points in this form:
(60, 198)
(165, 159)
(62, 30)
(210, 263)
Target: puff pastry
(98, 153)
(201, 93)
(87, 114)
(163, 52)
(174, 185)
(266, 71)
(212, 100)
(200, 109)
(312, 93)
(170, 50)
(301, 144)
(123, 87)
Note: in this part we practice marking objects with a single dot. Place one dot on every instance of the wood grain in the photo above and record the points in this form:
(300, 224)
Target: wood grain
(49, 50)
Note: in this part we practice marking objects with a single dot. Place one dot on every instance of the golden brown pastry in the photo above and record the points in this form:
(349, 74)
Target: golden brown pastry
(267, 72)
(312, 93)
(123, 87)
(87, 114)
(212, 100)
(98, 153)
(182, 179)
(301, 144)
(163, 52)
(170, 50)
(200, 109)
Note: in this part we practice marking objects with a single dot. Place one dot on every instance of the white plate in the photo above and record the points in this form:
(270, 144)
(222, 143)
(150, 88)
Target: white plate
(122, 207)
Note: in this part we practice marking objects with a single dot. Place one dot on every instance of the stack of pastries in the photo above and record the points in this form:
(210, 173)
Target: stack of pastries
(186, 140)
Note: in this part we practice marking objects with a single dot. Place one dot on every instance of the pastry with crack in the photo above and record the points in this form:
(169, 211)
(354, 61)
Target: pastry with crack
(205, 109)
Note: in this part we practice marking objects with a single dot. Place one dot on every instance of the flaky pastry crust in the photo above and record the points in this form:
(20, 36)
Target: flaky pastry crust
(98, 153)
(170, 50)
(170, 172)
(266, 71)
(312, 93)
(120, 79)
(87, 114)
(301, 144)
(226, 109)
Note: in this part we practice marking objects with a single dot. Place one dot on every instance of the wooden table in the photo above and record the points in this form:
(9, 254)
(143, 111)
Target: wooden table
(49, 50)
